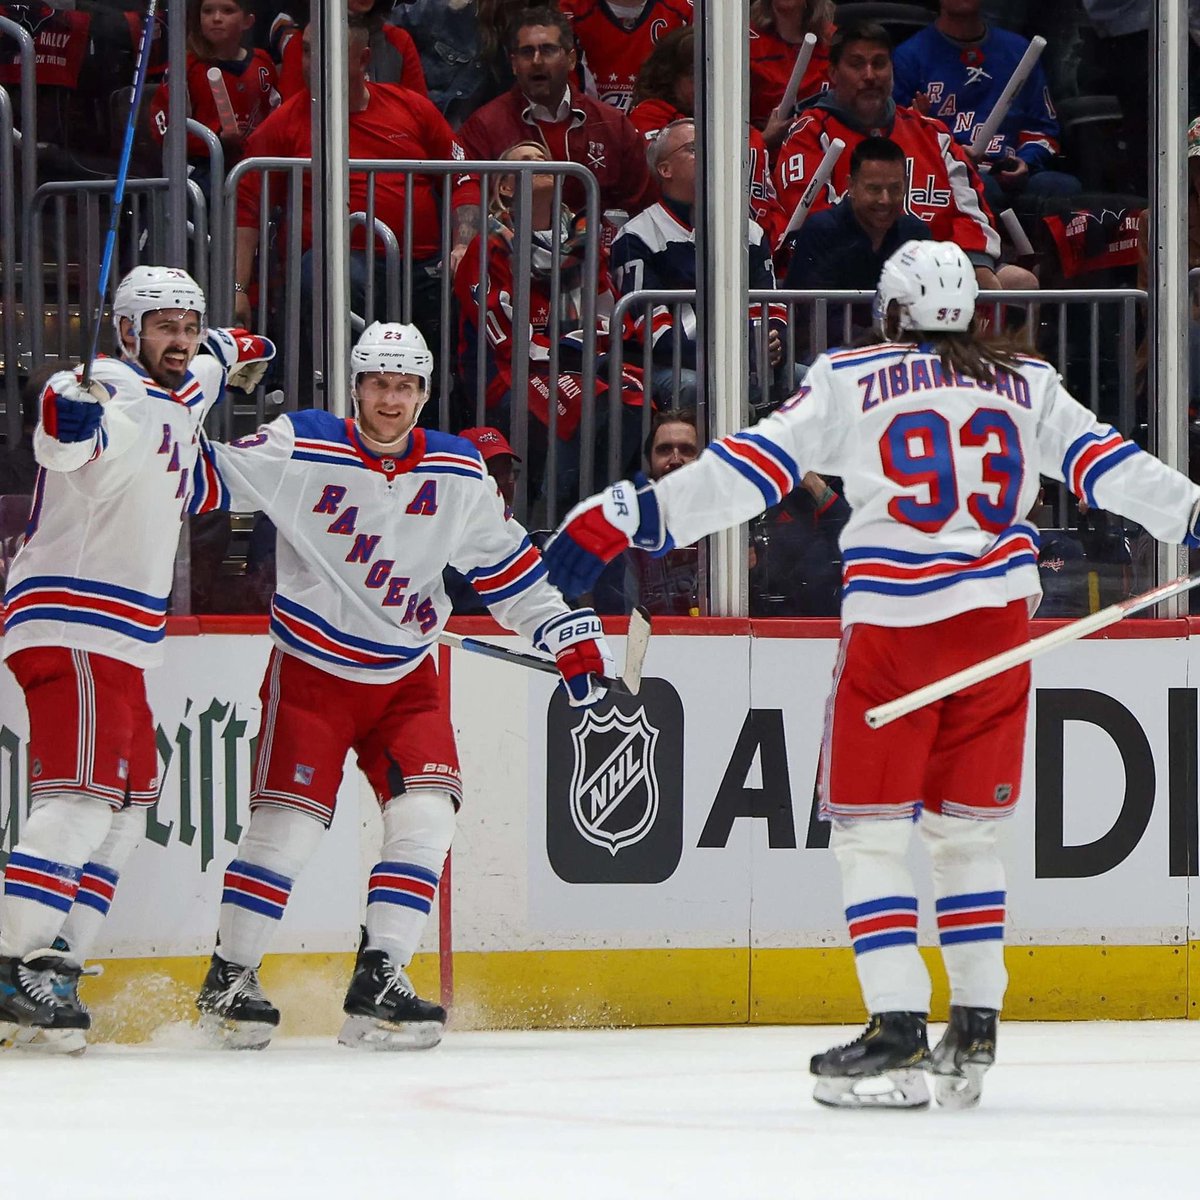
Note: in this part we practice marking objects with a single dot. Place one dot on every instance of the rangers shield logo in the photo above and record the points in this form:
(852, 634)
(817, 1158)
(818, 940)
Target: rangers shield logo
(614, 792)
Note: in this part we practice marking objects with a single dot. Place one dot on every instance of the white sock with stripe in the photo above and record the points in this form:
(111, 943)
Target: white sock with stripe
(418, 828)
(42, 877)
(881, 912)
(969, 888)
(258, 883)
(98, 883)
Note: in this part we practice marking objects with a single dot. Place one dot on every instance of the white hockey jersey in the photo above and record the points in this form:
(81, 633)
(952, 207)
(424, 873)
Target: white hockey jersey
(96, 569)
(363, 540)
(939, 470)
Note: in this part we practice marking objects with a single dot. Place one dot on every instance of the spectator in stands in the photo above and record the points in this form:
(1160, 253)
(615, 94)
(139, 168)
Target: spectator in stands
(846, 246)
(945, 191)
(656, 250)
(666, 91)
(386, 121)
(500, 461)
(616, 39)
(217, 31)
(777, 29)
(461, 44)
(666, 584)
(488, 302)
(394, 57)
(955, 70)
(545, 106)
(796, 564)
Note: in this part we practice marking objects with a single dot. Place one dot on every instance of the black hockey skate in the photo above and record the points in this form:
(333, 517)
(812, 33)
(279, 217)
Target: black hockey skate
(234, 1011)
(383, 1011)
(39, 1003)
(884, 1067)
(962, 1057)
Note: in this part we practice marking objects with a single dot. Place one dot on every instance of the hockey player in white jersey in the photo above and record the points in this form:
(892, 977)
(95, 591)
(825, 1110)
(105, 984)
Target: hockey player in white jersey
(940, 437)
(85, 615)
(369, 511)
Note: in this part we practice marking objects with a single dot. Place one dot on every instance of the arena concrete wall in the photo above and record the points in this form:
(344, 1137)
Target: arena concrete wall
(660, 861)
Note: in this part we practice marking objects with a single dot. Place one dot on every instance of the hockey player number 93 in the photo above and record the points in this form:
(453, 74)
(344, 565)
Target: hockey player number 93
(918, 450)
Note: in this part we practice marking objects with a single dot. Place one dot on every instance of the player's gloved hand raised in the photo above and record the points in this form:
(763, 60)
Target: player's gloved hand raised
(595, 531)
(71, 412)
(576, 639)
(244, 354)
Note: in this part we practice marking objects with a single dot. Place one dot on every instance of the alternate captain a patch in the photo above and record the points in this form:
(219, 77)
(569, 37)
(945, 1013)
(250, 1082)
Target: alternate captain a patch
(425, 502)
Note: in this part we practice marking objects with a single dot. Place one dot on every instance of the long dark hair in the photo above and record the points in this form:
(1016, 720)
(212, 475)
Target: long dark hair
(669, 61)
(972, 352)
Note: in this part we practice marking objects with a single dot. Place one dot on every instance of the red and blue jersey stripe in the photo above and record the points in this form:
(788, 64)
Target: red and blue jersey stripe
(761, 461)
(209, 493)
(97, 886)
(256, 889)
(878, 924)
(441, 462)
(53, 884)
(885, 571)
(404, 884)
(510, 576)
(322, 450)
(1091, 456)
(304, 630)
(971, 917)
(87, 602)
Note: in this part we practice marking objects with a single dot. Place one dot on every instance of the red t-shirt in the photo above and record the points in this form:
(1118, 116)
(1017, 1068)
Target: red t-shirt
(251, 87)
(397, 123)
(61, 40)
(291, 62)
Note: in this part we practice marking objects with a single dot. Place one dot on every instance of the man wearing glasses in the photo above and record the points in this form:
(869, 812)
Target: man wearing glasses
(546, 105)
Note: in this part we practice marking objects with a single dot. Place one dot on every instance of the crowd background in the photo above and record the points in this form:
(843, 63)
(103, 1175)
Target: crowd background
(551, 374)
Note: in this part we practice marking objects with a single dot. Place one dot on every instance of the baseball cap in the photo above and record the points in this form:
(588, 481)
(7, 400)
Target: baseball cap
(1193, 138)
(489, 441)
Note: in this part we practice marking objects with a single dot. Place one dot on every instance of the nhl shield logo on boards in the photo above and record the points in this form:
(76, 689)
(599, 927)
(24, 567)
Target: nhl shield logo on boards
(614, 791)
(614, 787)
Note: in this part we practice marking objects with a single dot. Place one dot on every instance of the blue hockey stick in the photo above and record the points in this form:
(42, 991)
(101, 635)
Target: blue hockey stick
(110, 238)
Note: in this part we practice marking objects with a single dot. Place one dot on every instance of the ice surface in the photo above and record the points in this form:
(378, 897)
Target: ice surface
(1072, 1110)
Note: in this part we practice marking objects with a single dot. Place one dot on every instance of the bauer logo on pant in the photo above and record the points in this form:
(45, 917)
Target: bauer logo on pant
(614, 787)
(614, 791)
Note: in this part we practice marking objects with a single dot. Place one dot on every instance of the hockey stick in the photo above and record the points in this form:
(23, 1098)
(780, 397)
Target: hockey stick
(627, 683)
(985, 132)
(819, 180)
(788, 103)
(884, 714)
(220, 95)
(110, 238)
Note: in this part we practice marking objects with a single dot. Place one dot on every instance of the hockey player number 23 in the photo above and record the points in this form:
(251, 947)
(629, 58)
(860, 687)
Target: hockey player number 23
(918, 450)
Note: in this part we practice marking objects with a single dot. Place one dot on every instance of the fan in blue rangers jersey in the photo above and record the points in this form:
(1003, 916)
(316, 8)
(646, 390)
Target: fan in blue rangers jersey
(369, 513)
(940, 436)
(956, 69)
(85, 615)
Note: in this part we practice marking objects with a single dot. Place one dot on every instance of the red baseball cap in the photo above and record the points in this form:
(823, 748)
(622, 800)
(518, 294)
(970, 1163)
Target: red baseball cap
(489, 441)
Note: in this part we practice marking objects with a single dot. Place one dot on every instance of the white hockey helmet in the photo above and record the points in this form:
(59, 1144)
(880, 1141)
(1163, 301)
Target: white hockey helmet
(147, 289)
(934, 285)
(391, 347)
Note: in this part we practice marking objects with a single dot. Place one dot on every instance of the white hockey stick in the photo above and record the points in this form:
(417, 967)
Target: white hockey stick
(220, 94)
(985, 132)
(884, 714)
(1016, 232)
(819, 180)
(627, 683)
(793, 84)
